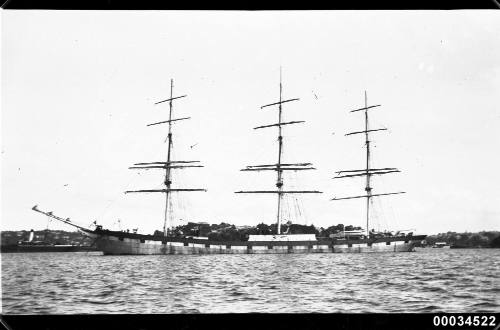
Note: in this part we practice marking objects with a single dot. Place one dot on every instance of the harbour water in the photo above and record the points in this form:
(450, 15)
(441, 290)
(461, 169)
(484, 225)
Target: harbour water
(429, 280)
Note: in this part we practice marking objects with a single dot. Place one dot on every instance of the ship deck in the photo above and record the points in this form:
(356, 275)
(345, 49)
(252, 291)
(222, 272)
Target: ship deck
(320, 240)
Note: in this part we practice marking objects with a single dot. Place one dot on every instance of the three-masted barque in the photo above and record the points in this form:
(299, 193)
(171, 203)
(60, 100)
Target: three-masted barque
(121, 243)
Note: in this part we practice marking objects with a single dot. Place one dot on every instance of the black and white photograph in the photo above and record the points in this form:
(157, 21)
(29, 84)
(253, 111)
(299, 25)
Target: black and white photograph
(214, 162)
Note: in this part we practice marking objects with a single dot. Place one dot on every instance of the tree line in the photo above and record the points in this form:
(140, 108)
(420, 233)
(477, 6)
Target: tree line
(467, 240)
(229, 232)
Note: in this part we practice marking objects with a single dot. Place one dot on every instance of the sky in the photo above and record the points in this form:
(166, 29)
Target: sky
(78, 89)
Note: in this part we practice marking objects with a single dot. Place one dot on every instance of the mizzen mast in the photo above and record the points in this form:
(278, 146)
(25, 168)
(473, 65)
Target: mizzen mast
(279, 167)
(368, 171)
(169, 164)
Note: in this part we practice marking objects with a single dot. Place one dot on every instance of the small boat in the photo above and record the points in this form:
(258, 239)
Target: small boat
(441, 245)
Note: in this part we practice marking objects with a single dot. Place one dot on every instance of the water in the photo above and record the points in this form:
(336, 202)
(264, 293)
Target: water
(430, 280)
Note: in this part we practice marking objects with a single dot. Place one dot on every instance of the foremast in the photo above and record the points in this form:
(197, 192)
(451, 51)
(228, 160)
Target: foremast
(368, 171)
(279, 167)
(169, 164)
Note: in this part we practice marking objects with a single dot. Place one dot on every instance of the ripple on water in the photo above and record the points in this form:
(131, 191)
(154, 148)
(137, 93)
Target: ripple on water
(425, 281)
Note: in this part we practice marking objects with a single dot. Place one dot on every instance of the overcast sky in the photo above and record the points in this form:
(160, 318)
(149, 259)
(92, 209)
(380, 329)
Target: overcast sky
(78, 90)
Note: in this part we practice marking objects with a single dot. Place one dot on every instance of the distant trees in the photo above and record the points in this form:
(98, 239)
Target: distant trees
(481, 239)
(336, 229)
(495, 243)
(47, 236)
(192, 229)
(228, 232)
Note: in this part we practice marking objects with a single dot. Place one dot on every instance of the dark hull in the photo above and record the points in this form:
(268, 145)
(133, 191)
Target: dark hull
(114, 243)
(45, 248)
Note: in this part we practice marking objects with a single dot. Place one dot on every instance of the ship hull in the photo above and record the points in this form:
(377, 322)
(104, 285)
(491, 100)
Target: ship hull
(119, 243)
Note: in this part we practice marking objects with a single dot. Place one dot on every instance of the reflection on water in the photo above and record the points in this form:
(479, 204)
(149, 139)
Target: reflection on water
(430, 280)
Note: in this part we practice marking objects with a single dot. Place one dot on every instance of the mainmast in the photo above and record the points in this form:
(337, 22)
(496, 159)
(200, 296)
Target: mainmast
(368, 171)
(279, 167)
(167, 181)
(368, 189)
(169, 164)
(279, 180)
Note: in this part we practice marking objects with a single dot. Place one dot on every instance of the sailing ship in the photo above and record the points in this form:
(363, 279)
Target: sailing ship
(119, 242)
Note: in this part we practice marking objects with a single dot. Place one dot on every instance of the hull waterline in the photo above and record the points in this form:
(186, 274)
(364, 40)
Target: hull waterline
(119, 243)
